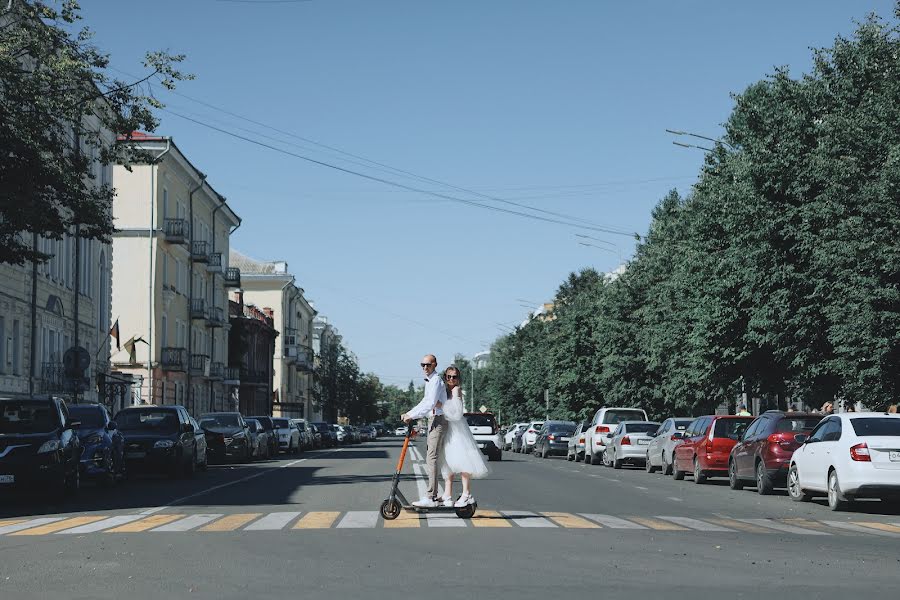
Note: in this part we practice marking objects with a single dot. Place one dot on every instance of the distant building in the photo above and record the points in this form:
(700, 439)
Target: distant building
(481, 360)
(251, 355)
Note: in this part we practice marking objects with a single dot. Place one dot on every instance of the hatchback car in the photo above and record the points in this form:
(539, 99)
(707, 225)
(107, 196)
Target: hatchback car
(629, 443)
(529, 435)
(39, 445)
(575, 449)
(103, 453)
(553, 438)
(486, 433)
(848, 456)
(227, 436)
(764, 452)
(158, 438)
(706, 445)
(661, 447)
(600, 430)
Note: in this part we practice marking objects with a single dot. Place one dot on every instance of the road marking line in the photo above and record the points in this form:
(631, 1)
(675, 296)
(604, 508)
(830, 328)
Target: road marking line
(843, 525)
(417, 456)
(405, 520)
(783, 527)
(444, 520)
(641, 488)
(694, 524)
(806, 523)
(273, 521)
(738, 525)
(359, 519)
(230, 522)
(189, 522)
(60, 525)
(523, 518)
(5, 522)
(674, 499)
(657, 524)
(881, 526)
(29, 523)
(101, 525)
(612, 522)
(145, 524)
(489, 518)
(570, 521)
(317, 520)
(614, 480)
(421, 479)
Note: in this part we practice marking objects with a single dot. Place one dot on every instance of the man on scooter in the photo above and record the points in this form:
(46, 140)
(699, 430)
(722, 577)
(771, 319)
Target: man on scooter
(432, 406)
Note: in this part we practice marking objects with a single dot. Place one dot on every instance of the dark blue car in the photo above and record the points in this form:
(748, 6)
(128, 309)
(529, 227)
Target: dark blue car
(103, 457)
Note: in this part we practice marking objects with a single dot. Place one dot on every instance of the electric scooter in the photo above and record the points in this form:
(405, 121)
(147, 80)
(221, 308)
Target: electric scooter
(396, 501)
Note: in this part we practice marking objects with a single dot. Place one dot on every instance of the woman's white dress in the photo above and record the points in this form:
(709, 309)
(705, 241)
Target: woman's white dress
(460, 452)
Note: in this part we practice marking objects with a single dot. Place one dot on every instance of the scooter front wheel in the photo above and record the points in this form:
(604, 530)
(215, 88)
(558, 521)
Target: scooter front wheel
(390, 510)
(467, 511)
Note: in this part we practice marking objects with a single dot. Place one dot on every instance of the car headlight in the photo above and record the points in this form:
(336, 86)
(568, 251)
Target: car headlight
(93, 439)
(239, 436)
(164, 444)
(49, 446)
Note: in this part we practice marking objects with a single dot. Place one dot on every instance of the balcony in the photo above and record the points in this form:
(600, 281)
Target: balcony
(215, 317)
(254, 376)
(198, 364)
(232, 277)
(217, 371)
(198, 309)
(176, 231)
(304, 359)
(174, 359)
(200, 251)
(232, 376)
(214, 263)
(290, 348)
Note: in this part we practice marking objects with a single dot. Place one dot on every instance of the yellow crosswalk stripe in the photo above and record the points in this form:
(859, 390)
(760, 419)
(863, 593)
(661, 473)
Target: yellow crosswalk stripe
(405, 520)
(880, 526)
(317, 520)
(145, 524)
(59, 525)
(5, 522)
(657, 524)
(749, 527)
(808, 524)
(570, 521)
(489, 518)
(231, 522)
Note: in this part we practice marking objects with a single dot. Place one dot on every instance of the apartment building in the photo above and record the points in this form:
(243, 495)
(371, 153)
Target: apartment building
(170, 288)
(269, 284)
(251, 354)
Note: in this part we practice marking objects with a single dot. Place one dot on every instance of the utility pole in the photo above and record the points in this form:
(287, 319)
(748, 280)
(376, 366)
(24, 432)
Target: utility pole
(547, 404)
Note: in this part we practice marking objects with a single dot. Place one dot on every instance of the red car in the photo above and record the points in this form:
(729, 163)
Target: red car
(764, 453)
(706, 444)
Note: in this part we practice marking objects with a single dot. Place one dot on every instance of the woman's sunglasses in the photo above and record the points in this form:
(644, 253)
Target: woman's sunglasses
(451, 376)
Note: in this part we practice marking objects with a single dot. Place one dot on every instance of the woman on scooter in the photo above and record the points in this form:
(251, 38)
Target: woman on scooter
(459, 453)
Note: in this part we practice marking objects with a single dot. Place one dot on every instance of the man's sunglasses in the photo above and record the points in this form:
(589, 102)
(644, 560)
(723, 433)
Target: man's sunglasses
(423, 365)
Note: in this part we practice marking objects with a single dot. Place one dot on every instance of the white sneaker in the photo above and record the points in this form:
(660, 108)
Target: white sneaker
(464, 500)
(425, 503)
(447, 501)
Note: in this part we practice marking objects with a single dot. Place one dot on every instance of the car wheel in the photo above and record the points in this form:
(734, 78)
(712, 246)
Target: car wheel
(677, 474)
(616, 463)
(545, 454)
(764, 485)
(500, 456)
(733, 481)
(666, 466)
(699, 476)
(606, 459)
(793, 484)
(836, 499)
(588, 457)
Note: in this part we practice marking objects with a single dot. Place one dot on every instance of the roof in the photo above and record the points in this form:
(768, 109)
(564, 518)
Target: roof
(141, 137)
(249, 265)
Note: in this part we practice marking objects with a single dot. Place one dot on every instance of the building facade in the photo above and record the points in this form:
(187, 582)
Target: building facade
(170, 292)
(251, 354)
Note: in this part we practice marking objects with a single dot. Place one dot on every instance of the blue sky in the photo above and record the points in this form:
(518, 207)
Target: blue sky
(557, 105)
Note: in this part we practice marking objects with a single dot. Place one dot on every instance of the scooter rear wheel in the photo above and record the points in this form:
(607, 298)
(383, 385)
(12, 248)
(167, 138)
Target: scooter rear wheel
(467, 511)
(390, 510)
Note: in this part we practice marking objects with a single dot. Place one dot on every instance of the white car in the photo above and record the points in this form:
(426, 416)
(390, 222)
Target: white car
(848, 456)
(600, 430)
(659, 452)
(288, 437)
(530, 435)
(486, 433)
(510, 435)
(400, 431)
(576, 443)
(629, 443)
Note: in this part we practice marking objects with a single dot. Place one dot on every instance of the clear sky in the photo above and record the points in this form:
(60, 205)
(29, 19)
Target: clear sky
(559, 105)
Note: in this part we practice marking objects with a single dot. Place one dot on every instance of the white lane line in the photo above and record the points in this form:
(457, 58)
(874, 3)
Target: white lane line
(359, 519)
(421, 480)
(674, 499)
(770, 524)
(695, 524)
(28, 524)
(273, 521)
(188, 523)
(417, 456)
(860, 528)
(524, 518)
(641, 488)
(615, 480)
(612, 522)
(101, 525)
(444, 520)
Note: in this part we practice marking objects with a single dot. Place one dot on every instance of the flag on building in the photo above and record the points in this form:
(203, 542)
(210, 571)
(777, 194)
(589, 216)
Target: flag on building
(129, 348)
(114, 332)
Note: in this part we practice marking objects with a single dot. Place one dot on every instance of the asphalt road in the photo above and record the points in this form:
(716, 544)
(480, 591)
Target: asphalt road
(307, 526)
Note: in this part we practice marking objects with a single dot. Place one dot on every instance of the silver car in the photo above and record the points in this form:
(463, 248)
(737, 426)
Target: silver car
(510, 435)
(629, 443)
(659, 452)
(576, 442)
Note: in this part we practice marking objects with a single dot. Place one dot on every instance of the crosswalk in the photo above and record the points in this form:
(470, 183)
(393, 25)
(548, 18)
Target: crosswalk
(483, 519)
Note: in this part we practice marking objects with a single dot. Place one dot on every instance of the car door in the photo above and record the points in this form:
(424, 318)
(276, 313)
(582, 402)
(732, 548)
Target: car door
(117, 440)
(188, 441)
(684, 452)
(808, 458)
(654, 450)
(614, 441)
(743, 451)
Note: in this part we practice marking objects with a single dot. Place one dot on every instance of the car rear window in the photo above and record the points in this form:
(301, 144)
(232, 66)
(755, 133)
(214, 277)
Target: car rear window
(557, 427)
(220, 421)
(480, 420)
(731, 428)
(886, 426)
(281, 423)
(163, 421)
(617, 416)
(788, 425)
(28, 416)
(90, 417)
(641, 428)
(682, 425)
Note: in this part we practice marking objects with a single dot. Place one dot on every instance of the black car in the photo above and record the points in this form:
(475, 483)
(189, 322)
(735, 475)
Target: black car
(227, 436)
(103, 457)
(159, 439)
(329, 437)
(269, 425)
(39, 445)
(553, 438)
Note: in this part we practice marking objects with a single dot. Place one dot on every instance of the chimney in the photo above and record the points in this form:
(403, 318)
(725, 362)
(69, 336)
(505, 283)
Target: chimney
(239, 297)
(269, 312)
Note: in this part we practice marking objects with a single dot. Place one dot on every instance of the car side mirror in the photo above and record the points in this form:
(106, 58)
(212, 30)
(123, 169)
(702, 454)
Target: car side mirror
(73, 424)
(111, 426)
(801, 438)
(187, 428)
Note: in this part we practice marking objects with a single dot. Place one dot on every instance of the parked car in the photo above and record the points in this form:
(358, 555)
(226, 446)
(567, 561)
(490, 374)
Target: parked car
(486, 433)
(400, 431)
(227, 436)
(661, 447)
(575, 447)
(260, 446)
(518, 442)
(764, 453)
(271, 436)
(511, 433)
(306, 439)
(846, 457)
(355, 434)
(316, 435)
(341, 433)
(629, 443)
(706, 445)
(329, 437)
(553, 438)
(364, 434)
(103, 445)
(529, 436)
(288, 436)
(200, 438)
(373, 433)
(601, 428)
(158, 438)
(40, 446)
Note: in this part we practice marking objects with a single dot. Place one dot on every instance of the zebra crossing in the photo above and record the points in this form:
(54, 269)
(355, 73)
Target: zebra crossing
(483, 519)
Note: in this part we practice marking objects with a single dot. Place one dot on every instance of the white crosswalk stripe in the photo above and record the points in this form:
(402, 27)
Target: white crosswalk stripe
(28, 524)
(359, 519)
(527, 519)
(770, 524)
(861, 529)
(695, 524)
(273, 521)
(612, 522)
(444, 520)
(101, 525)
(188, 523)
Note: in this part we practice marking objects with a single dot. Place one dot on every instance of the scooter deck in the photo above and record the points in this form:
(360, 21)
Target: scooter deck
(422, 509)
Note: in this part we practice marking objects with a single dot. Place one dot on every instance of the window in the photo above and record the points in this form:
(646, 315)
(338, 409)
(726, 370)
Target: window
(833, 432)
(16, 351)
(731, 428)
(165, 269)
(752, 430)
(884, 426)
(818, 433)
(164, 332)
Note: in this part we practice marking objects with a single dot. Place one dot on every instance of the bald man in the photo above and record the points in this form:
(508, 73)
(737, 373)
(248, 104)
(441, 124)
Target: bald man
(431, 406)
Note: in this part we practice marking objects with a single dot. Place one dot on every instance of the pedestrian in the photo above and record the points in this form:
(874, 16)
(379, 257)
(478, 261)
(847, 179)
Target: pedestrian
(431, 405)
(460, 453)
(743, 412)
(828, 409)
(892, 409)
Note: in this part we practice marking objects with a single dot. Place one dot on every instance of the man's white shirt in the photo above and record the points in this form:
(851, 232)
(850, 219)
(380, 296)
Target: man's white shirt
(432, 402)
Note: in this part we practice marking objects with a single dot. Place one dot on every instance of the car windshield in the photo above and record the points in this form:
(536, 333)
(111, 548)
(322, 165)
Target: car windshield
(617, 416)
(27, 416)
(220, 421)
(641, 427)
(281, 423)
(683, 424)
(90, 417)
(479, 420)
(886, 426)
(731, 428)
(788, 425)
(163, 421)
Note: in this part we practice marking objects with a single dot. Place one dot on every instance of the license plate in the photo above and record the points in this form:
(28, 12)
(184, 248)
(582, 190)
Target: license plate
(135, 454)
(564, 439)
(894, 455)
(643, 442)
(7, 478)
